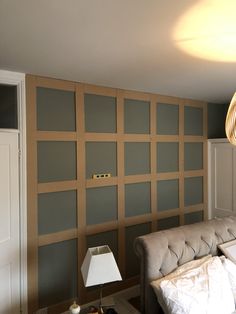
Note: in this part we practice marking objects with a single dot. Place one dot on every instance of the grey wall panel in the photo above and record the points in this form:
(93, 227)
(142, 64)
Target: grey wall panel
(193, 156)
(57, 211)
(137, 158)
(8, 107)
(193, 121)
(55, 110)
(109, 238)
(101, 157)
(167, 119)
(169, 222)
(190, 218)
(137, 199)
(57, 272)
(132, 262)
(216, 115)
(137, 116)
(100, 113)
(167, 194)
(193, 191)
(167, 157)
(101, 205)
(56, 161)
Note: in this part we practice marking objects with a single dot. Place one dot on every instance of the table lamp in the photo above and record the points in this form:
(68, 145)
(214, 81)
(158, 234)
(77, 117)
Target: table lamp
(99, 267)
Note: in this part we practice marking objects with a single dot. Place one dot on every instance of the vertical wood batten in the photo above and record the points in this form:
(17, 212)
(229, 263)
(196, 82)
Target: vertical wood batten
(205, 162)
(32, 220)
(81, 191)
(120, 186)
(181, 162)
(153, 196)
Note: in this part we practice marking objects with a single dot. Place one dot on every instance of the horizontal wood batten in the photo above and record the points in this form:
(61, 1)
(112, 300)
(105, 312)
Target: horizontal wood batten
(57, 237)
(57, 186)
(194, 208)
(55, 136)
(56, 84)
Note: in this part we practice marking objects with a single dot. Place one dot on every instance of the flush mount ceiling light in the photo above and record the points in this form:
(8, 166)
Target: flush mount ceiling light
(208, 30)
(230, 123)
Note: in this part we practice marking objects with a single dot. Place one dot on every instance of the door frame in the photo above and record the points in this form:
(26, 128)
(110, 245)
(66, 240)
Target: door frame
(210, 143)
(18, 79)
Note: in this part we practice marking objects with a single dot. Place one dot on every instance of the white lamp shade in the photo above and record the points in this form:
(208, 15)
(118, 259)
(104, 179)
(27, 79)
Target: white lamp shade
(99, 266)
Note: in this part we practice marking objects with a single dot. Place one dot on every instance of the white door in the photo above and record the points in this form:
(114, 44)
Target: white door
(223, 179)
(9, 224)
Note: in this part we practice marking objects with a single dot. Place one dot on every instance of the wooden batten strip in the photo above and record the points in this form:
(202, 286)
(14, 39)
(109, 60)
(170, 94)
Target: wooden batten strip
(90, 183)
(181, 162)
(99, 90)
(32, 216)
(167, 138)
(168, 213)
(194, 103)
(57, 237)
(108, 226)
(162, 99)
(205, 163)
(194, 208)
(137, 137)
(57, 186)
(191, 138)
(167, 175)
(55, 136)
(194, 173)
(128, 94)
(136, 220)
(55, 83)
(137, 178)
(100, 137)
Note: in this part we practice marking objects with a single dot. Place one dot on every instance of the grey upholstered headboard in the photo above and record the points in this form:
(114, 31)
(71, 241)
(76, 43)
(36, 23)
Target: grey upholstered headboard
(162, 252)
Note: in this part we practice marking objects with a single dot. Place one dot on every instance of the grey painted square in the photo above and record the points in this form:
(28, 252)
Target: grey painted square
(191, 218)
(193, 121)
(137, 116)
(137, 158)
(101, 157)
(57, 272)
(57, 211)
(167, 194)
(132, 261)
(109, 238)
(55, 110)
(137, 199)
(193, 191)
(193, 156)
(56, 161)
(167, 223)
(167, 119)
(101, 205)
(100, 113)
(167, 157)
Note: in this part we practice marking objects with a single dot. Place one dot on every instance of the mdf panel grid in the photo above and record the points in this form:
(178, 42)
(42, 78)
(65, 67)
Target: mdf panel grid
(117, 139)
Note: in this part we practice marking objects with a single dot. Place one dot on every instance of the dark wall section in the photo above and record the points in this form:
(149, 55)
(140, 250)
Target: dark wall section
(8, 107)
(216, 120)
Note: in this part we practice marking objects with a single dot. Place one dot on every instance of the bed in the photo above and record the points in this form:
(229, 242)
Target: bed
(162, 252)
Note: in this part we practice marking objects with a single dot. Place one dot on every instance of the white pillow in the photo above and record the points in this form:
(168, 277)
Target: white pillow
(230, 268)
(204, 289)
(176, 273)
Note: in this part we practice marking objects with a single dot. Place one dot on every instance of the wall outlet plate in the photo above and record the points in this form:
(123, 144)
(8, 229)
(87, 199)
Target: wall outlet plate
(101, 175)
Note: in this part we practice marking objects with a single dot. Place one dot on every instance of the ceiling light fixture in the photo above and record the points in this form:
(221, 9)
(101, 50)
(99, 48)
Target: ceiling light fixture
(230, 123)
(208, 30)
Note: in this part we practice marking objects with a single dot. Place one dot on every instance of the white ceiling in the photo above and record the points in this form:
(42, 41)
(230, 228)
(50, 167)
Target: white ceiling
(119, 43)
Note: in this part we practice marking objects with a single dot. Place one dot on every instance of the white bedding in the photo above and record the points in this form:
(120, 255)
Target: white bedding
(200, 286)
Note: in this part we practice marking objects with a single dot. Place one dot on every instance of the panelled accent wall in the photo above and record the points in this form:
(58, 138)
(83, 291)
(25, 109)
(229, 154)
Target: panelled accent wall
(152, 147)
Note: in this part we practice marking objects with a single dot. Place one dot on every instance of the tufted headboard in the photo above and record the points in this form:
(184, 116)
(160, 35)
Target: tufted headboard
(163, 251)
